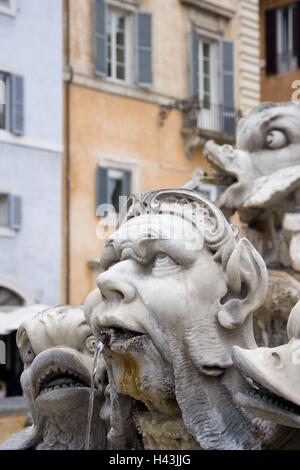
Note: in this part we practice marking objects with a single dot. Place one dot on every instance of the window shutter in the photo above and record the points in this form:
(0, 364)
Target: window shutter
(144, 68)
(126, 183)
(100, 47)
(296, 22)
(102, 185)
(17, 104)
(126, 188)
(194, 64)
(271, 41)
(227, 109)
(14, 212)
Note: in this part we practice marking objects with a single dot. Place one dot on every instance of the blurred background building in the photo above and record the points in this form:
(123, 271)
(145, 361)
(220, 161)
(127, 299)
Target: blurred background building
(145, 81)
(31, 129)
(30, 151)
(279, 49)
(105, 98)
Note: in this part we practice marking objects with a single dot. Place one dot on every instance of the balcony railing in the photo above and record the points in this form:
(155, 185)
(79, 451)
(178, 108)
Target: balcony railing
(212, 117)
(286, 61)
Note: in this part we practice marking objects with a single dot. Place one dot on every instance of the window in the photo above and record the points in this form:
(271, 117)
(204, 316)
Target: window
(282, 39)
(8, 7)
(123, 44)
(9, 297)
(10, 211)
(212, 82)
(208, 85)
(4, 93)
(112, 184)
(117, 41)
(12, 103)
(285, 48)
(3, 210)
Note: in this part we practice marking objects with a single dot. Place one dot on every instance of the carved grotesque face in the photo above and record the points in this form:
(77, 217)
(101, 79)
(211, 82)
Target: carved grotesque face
(169, 307)
(57, 349)
(161, 288)
(258, 172)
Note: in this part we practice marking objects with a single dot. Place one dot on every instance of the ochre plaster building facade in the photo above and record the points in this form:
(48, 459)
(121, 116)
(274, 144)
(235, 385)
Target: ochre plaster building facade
(145, 80)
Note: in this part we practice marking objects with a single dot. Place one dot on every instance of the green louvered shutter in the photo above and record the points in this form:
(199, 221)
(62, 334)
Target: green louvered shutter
(126, 187)
(102, 185)
(100, 46)
(14, 212)
(17, 104)
(143, 49)
(227, 114)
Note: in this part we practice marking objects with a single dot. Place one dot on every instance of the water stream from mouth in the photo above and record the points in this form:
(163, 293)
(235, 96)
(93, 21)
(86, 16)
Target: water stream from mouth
(98, 349)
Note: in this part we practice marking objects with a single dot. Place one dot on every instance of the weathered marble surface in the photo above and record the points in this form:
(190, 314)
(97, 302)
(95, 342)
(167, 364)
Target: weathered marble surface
(262, 175)
(275, 378)
(57, 349)
(169, 310)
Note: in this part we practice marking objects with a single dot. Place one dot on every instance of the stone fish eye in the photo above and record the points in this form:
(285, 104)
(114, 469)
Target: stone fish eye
(162, 260)
(276, 139)
(27, 353)
(90, 344)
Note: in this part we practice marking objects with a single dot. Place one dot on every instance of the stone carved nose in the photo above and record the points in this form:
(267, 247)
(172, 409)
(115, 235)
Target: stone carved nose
(115, 288)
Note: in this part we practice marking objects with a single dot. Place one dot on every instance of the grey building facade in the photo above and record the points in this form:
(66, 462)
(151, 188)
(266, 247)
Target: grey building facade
(31, 81)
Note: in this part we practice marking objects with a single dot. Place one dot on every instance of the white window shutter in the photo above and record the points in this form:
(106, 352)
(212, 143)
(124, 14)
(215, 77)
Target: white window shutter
(227, 86)
(17, 104)
(100, 45)
(14, 212)
(144, 49)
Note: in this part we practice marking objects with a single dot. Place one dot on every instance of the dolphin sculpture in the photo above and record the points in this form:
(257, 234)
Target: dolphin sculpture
(57, 349)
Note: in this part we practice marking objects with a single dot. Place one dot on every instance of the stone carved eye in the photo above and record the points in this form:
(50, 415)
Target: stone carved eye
(163, 261)
(276, 139)
(90, 344)
(27, 353)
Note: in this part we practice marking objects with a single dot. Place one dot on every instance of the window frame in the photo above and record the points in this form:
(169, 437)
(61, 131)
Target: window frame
(212, 114)
(129, 45)
(4, 195)
(7, 104)
(12, 227)
(10, 9)
(282, 67)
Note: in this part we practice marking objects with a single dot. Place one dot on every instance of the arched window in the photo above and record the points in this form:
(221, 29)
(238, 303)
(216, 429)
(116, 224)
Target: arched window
(8, 297)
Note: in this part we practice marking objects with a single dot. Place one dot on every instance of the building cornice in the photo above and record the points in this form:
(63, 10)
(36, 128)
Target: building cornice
(117, 88)
(24, 141)
(210, 7)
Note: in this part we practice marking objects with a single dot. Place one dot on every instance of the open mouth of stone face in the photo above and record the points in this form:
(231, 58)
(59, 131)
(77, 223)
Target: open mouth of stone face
(221, 176)
(56, 378)
(264, 397)
(117, 338)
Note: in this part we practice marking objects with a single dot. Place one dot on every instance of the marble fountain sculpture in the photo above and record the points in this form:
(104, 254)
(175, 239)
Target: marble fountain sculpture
(174, 311)
(274, 376)
(169, 309)
(57, 349)
(262, 175)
